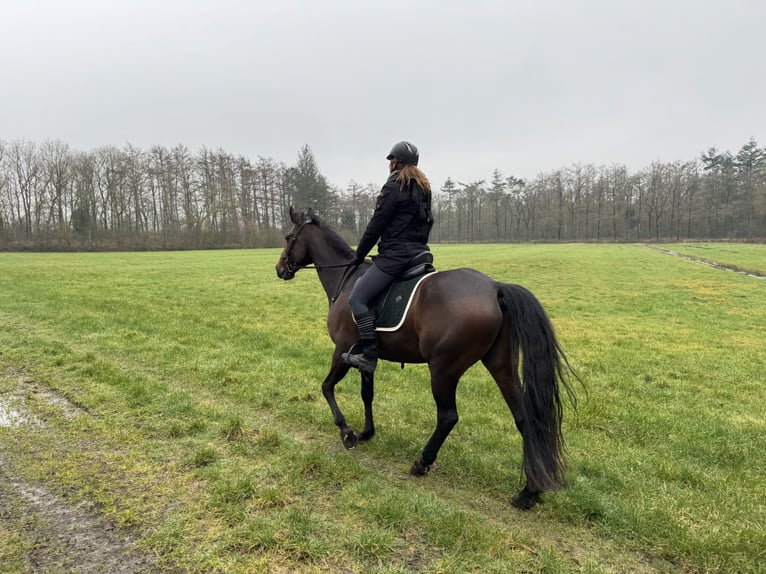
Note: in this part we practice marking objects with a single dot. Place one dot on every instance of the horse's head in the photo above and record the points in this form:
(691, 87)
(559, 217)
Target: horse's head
(295, 254)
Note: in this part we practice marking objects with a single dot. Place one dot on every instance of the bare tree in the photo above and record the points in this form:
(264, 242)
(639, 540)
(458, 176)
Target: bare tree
(470, 203)
(56, 162)
(85, 206)
(6, 215)
(25, 183)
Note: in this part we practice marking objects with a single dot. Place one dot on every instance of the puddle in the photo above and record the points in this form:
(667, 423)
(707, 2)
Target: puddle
(13, 413)
(14, 408)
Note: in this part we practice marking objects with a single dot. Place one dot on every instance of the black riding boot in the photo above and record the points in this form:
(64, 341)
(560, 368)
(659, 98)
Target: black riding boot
(365, 355)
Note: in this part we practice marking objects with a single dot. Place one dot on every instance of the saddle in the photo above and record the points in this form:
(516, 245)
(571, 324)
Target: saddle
(390, 307)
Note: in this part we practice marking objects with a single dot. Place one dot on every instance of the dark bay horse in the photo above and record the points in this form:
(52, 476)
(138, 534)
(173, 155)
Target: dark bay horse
(456, 318)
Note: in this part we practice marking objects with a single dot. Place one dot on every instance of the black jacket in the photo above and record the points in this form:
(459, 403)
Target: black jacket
(402, 221)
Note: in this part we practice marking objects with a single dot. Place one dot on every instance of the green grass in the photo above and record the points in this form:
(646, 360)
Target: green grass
(202, 429)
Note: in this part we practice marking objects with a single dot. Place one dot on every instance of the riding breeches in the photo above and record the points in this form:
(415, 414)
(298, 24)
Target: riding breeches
(367, 286)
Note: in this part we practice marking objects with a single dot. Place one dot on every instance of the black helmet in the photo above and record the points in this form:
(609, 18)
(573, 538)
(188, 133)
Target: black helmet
(404, 153)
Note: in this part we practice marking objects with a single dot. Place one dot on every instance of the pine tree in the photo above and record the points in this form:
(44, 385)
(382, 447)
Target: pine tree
(309, 185)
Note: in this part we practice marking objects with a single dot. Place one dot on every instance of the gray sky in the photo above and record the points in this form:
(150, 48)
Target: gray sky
(523, 86)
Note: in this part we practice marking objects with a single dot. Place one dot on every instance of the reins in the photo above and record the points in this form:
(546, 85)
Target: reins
(315, 266)
(346, 274)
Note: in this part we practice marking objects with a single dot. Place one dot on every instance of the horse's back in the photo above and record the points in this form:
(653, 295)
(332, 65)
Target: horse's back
(458, 287)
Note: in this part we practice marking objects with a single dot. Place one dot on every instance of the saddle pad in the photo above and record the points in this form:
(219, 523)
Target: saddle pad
(390, 308)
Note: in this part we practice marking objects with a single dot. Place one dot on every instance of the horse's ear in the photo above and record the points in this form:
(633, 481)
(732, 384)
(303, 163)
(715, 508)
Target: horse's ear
(294, 216)
(310, 215)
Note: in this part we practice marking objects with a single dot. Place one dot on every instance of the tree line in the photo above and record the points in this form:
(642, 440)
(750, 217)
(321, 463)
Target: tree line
(58, 198)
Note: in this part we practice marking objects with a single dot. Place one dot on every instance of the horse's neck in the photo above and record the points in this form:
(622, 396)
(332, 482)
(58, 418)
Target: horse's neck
(329, 258)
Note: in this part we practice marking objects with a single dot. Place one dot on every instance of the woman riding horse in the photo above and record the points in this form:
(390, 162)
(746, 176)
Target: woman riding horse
(455, 319)
(402, 221)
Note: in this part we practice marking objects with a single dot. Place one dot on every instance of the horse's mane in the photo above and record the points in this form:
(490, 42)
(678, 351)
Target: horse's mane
(335, 241)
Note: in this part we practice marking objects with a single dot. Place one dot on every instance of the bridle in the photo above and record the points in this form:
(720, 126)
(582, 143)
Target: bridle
(286, 260)
(291, 266)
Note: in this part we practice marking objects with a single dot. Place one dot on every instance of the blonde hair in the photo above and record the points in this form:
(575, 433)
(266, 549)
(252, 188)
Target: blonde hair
(409, 172)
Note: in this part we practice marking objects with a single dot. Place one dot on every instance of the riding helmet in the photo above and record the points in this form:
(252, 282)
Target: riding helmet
(404, 153)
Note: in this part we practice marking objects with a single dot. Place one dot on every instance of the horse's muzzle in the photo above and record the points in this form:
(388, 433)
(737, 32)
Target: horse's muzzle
(285, 270)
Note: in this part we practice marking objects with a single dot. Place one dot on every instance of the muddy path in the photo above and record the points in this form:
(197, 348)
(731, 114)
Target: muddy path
(63, 537)
(709, 263)
(44, 532)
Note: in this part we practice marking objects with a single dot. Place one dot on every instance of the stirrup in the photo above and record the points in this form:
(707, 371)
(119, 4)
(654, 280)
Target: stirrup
(359, 361)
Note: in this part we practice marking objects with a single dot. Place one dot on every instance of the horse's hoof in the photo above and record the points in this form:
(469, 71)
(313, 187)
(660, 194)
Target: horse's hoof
(525, 500)
(419, 469)
(349, 438)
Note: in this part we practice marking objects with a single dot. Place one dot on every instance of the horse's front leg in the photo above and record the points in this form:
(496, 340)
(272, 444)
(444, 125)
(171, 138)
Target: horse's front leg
(338, 370)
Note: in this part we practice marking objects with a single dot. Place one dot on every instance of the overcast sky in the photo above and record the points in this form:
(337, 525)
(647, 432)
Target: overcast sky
(522, 86)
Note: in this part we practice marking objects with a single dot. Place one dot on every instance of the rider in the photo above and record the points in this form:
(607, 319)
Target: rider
(402, 221)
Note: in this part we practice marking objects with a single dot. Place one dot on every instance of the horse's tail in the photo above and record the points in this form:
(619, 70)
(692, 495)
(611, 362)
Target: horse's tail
(544, 369)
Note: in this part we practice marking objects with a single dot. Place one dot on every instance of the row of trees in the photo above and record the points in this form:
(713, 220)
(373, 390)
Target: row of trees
(716, 196)
(55, 197)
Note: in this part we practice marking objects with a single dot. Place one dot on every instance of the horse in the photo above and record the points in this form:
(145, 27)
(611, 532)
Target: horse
(455, 319)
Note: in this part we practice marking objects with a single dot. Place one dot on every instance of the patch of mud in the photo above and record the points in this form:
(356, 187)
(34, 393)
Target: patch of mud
(709, 263)
(67, 408)
(68, 538)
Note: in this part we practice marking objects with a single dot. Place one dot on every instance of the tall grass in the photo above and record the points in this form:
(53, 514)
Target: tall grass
(204, 430)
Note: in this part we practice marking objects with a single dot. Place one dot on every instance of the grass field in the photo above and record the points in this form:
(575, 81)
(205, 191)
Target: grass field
(175, 398)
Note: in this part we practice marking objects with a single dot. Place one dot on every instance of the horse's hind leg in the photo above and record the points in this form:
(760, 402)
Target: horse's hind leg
(503, 364)
(504, 368)
(443, 387)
